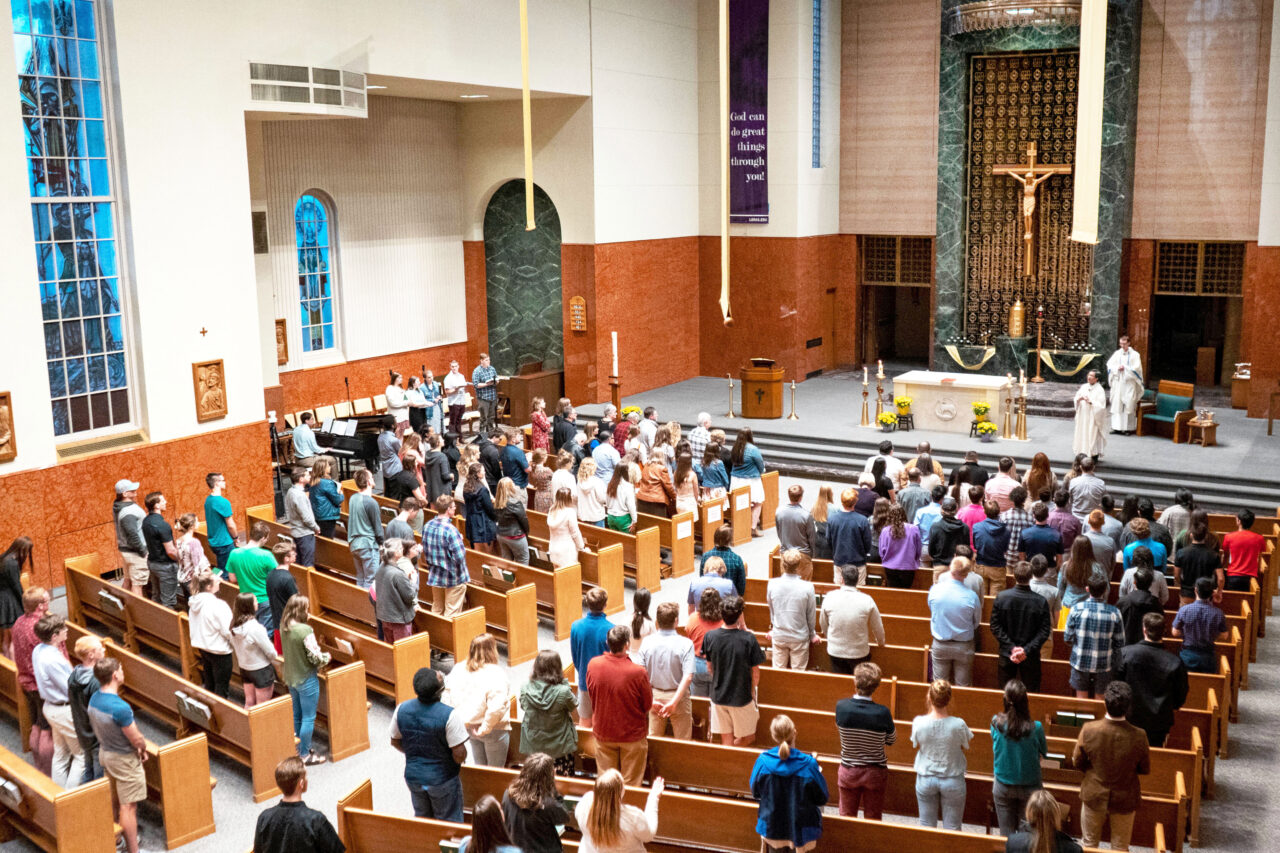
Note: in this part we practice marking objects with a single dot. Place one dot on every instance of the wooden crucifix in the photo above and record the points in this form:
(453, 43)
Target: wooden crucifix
(1031, 175)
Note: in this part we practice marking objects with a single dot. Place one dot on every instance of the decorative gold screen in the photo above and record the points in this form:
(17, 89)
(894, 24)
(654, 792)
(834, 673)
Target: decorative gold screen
(1014, 99)
(1199, 269)
(896, 260)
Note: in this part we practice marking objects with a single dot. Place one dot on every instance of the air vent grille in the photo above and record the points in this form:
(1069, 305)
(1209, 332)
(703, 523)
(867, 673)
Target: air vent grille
(75, 450)
(300, 84)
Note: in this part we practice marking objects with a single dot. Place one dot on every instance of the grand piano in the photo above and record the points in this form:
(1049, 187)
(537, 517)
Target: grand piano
(351, 438)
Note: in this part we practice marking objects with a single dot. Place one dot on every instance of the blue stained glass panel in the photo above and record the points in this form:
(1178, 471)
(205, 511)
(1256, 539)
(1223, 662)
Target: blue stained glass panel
(89, 60)
(57, 380)
(82, 213)
(41, 17)
(40, 221)
(99, 179)
(76, 383)
(21, 16)
(115, 337)
(52, 340)
(102, 221)
(89, 297)
(60, 213)
(21, 52)
(328, 337)
(44, 263)
(72, 340)
(85, 25)
(61, 67)
(49, 301)
(63, 17)
(97, 374)
(115, 370)
(95, 139)
(93, 336)
(27, 93)
(110, 292)
(61, 418)
(91, 99)
(69, 304)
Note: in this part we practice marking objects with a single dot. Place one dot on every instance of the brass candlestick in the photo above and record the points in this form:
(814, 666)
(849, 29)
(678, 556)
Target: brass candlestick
(879, 397)
(1021, 428)
(731, 414)
(1039, 339)
(1007, 432)
(793, 416)
(866, 420)
(615, 392)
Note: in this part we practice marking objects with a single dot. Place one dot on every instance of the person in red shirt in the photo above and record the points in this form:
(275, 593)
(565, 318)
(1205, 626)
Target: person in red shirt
(621, 697)
(35, 604)
(1242, 549)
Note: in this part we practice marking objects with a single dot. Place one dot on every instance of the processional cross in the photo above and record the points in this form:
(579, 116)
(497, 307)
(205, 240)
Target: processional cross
(1031, 176)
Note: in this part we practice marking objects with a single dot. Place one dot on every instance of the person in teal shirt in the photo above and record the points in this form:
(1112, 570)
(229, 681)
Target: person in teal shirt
(1018, 744)
(219, 523)
(249, 566)
(748, 468)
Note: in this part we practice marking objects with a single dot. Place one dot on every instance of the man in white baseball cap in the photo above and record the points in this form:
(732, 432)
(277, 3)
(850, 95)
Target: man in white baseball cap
(128, 518)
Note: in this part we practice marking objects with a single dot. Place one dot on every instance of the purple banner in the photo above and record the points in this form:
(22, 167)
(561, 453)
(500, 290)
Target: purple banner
(748, 110)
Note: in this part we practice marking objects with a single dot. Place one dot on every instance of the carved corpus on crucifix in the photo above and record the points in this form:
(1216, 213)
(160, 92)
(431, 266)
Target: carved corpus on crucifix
(1031, 175)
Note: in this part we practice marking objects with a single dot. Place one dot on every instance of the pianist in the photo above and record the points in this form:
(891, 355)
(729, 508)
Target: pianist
(305, 449)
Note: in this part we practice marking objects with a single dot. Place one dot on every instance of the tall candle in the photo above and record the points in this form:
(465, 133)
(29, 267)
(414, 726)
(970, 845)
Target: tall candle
(864, 374)
(1022, 376)
(615, 353)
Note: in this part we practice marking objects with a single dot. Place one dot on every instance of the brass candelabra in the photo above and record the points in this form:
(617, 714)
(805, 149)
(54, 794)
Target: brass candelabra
(1039, 344)
(1007, 432)
(1021, 428)
(866, 419)
(793, 416)
(731, 414)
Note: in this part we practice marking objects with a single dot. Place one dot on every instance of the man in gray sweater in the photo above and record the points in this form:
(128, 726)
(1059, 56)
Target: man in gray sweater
(133, 547)
(300, 518)
(796, 531)
(364, 529)
(793, 614)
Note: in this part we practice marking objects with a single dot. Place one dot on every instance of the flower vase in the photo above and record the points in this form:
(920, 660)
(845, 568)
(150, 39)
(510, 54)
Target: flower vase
(986, 437)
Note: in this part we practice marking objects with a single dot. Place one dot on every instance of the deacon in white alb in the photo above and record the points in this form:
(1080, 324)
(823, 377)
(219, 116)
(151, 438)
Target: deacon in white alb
(1124, 373)
(1091, 418)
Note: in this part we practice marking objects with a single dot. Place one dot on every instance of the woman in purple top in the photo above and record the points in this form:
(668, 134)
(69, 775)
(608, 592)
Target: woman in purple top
(899, 549)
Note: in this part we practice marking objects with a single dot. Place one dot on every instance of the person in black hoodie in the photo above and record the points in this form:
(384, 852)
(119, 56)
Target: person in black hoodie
(80, 688)
(564, 427)
(1158, 679)
(1021, 624)
(437, 475)
(945, 534)
(1136, 604)
(970, 472)
(533, 809)
(491, 457)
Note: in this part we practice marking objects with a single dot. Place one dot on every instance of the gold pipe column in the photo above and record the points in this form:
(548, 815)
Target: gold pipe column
(529, 223)
(724, 163)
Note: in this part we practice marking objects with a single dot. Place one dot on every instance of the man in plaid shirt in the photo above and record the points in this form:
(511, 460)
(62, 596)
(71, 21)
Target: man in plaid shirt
(699, 436)
(1095, 633)
(485, 380)
(1016, 518)
(446, 558)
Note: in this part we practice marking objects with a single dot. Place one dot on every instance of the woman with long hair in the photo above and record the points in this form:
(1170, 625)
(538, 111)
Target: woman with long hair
(479, 693)
(254, 651)
(11, 567)
(431, 392)
(469, 453)
(192, 561)
(899, 548)
(590, 494)
(532, 807)
(1044, 817)
(513, 522)
(706, 619)
(325, 497)
(549, 705)
(1040, 480)
(940, 741)
(1018, 744)
(488, 829)
(481, 516)
(884, 486)
(656, 495)
(821, 509)
(302, 661)
(562, 477)
(540, 481)
(1073, 581)
(711, 473)
(564, 539)
(685, 482)
(641, 621)
(879, 518)
(417, 405)
(1199, 519)
(610, 826)
(791, 791)
(928, 474)
(540, 425)
(397, 402)
(1129, 510)
(1077, 468)
(748, 468)
(620, 499)
(663, 448)
(960, 488)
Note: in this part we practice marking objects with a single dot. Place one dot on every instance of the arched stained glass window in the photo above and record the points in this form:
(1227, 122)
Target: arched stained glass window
(313, 233)
(73, 211)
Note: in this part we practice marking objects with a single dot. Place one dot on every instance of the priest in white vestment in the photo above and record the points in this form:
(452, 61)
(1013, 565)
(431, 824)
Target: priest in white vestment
(1124, 373)
(1091, 418)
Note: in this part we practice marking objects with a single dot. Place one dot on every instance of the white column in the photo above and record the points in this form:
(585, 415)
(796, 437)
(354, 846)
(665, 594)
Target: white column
(1269, 209)
(1088, 165)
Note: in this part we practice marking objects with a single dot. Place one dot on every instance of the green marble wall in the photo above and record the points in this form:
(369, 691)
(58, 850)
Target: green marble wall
(522, 276)
(1119, 121)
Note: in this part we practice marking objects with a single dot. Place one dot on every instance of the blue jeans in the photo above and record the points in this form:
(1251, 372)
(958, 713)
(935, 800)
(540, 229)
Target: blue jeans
(439, 802)
(265, 618)
(220, 555)
(1198, 660)
(92, 769)
(306, 546)
(945, 791)
(306, 696)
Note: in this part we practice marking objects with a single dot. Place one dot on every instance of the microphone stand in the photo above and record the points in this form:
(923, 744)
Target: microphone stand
(347, 382)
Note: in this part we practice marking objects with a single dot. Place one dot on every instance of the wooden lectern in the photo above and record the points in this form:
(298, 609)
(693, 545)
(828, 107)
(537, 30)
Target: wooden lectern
(761, 389)
(530, 381)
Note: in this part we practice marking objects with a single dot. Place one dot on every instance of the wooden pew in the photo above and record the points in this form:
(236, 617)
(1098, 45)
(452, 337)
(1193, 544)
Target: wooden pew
(55, 820)
(257, 737)
(333, 558)
(740, 514)
(557, 592)
(769, 481)
(710, 519)
(13, 701)
(388, 668)
(674, 534)
(717, 823)
(178, 781)
(510, 615)
(641, 551)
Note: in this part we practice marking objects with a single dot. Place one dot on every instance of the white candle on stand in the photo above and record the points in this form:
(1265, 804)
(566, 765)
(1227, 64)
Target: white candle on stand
(615, 353)
(864, 374)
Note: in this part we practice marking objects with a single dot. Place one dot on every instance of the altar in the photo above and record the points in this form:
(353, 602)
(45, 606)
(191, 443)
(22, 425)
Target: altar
(942, 401)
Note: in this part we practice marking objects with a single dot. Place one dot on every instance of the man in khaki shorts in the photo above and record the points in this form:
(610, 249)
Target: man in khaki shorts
(121, 747)
(733, 662)
(129, 539)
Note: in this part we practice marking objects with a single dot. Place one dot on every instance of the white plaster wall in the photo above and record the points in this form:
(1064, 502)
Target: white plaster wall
(645, 115)
(1269, 213)
(491, 146)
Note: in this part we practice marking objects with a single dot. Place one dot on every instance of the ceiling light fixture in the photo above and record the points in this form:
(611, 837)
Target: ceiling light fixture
(374, 86)
(471, 97)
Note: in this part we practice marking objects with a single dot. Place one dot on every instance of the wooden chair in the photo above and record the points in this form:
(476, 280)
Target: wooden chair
(363, 406)
(326, 413)
(1174, 406)
(290, 420)
(380, 402)
(342, 410)
(470, 416)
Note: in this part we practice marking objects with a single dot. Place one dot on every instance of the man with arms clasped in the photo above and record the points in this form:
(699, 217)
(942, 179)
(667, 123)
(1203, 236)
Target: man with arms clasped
(1124, 374)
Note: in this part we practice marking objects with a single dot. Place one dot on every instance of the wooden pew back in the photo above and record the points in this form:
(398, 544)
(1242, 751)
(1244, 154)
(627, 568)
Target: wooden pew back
(53, 819)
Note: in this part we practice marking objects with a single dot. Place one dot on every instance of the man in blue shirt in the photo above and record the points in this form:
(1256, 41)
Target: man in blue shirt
(433, 738)
(1040, 538)
(219, 520)
(121, 747)
(485, 380)
(1142, 530)
(305, 449)
(955, 612)
(1199, 624)
(990, 541)
(514, 463)
(713, 577)
(849, 535)
(929, 513)
(588, 637)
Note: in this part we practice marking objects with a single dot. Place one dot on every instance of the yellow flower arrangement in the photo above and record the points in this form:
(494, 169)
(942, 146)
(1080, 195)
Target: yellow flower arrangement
(981, 407)
(887, 419)
(987, 427)
(903, 404)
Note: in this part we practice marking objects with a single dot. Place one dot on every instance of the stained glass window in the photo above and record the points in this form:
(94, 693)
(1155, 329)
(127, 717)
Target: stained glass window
(73, 211)
(313, 233)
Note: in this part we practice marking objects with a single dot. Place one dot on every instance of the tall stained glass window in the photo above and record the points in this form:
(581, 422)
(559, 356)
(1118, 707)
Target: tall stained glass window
(73, 211)
(313, 232)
